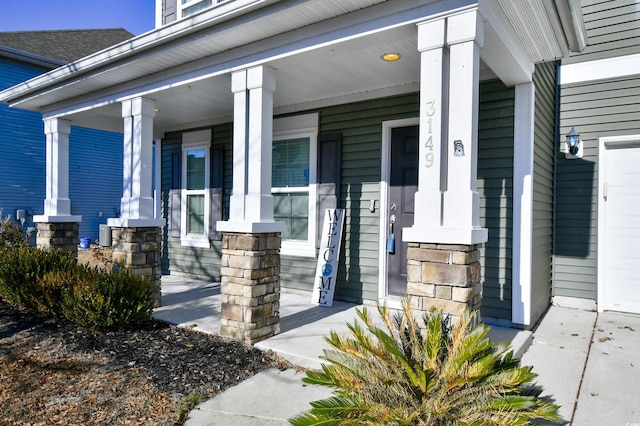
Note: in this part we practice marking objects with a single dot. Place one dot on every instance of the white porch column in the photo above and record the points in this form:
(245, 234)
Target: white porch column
(57, 205)
(443, 257)
(523, 203)
(136, 204)
(432, 136)
(447, 208)
(461, 200)
(251, 204)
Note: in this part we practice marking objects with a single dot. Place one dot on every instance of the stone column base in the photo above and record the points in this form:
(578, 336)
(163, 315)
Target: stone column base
(250, 286)
(140, 250)
(58, 235)
(444, 276)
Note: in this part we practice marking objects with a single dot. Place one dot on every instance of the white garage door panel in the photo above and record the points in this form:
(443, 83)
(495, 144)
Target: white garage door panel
(622, 271)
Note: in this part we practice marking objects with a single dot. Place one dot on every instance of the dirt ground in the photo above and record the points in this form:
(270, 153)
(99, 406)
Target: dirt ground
(53, 372)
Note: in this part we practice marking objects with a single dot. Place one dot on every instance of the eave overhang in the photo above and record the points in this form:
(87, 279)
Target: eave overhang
(198, 53)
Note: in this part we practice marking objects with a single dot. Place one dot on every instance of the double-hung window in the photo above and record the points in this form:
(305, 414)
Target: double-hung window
(294, 182)
(195, 203)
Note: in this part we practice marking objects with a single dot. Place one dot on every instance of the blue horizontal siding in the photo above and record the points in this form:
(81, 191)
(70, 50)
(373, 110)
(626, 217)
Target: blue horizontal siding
(22, 163)
(95, 177)
(95, 159)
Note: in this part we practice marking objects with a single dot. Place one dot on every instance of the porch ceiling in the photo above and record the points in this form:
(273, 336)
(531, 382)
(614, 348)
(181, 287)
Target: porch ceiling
(324, 51)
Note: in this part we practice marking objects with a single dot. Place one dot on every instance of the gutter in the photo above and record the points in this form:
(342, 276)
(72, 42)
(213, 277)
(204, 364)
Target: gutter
(34, 59)
(570, 14)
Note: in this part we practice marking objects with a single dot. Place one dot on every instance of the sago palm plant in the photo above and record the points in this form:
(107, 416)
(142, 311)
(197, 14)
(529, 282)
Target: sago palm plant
(394, 372)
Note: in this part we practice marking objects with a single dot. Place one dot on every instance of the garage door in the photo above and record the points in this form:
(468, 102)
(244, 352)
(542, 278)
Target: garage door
(621, 198)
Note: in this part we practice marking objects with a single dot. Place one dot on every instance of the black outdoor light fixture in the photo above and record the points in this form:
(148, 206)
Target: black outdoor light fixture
(574, 148)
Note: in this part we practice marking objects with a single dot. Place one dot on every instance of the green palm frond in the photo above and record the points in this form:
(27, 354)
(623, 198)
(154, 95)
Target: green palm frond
(396, 372)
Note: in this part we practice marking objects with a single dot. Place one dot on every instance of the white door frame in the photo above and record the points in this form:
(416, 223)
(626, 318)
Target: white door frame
(604, 143)
(385, 170)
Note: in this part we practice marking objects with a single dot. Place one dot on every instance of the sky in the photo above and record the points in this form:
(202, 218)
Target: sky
(135, 16)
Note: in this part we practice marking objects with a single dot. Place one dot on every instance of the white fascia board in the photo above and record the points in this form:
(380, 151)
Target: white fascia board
(123, 50)
(600, 69)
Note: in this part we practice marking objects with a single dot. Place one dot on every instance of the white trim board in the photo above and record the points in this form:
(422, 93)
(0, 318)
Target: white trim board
(523, 203)
(600, 69)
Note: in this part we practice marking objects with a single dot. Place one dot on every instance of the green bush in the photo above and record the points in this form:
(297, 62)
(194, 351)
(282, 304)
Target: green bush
(22, 270)
(11, 234)
(98, 299)
(52, 283)
(400, 374)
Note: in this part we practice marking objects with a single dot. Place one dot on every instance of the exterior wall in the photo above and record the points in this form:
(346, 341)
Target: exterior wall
(23, 144)
(361, 128)
(95, 177)
(596, 109)
(360, 125)
(192, 260)
(544, 150)
(95, 158)
(495, 185)
(613, 29)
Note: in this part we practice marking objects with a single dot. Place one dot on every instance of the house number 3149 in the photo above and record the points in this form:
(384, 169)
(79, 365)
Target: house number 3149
(429, 156)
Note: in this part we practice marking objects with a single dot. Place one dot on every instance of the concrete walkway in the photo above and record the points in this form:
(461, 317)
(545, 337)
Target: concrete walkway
(560, 351)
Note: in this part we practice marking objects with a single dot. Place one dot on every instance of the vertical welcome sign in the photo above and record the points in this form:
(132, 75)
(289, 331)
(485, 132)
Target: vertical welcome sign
(327, 270)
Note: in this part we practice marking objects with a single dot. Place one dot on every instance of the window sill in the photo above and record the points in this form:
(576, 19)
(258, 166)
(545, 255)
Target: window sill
(298, 249)
(199, 241)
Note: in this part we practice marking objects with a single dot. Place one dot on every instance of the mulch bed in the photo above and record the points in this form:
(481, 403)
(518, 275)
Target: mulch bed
(55, 372)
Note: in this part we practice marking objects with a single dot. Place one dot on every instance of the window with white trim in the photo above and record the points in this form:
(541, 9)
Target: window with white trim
(293, 183)
(195, 203)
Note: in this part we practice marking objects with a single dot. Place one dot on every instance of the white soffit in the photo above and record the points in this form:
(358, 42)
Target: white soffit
(539, 32)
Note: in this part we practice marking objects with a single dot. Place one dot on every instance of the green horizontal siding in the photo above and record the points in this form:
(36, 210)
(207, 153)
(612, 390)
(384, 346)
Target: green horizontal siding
(192, 260)
(597, 109)
(613, 29)
(542, 216)
(361, 127)
(495, 185)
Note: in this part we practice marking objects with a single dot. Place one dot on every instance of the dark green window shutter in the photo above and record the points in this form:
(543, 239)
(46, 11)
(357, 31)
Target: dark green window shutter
(215, 193)
(329, 150)
(174, 213)
(174, 194)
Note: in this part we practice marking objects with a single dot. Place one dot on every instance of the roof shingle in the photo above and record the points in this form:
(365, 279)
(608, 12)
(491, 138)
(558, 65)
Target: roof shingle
(64, 45)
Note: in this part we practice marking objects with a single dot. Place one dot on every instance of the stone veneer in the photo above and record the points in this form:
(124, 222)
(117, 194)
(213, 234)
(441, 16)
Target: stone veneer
(140, 250)
(58, 235)
(250, 286)
(444, 276)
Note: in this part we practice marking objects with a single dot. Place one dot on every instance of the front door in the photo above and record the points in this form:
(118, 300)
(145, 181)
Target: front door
(403, 184)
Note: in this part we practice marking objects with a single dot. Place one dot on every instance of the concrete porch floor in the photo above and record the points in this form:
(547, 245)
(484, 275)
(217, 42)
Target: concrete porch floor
(196, 304)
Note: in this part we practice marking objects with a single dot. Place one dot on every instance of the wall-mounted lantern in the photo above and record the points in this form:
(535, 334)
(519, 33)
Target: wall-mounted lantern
(574, 145)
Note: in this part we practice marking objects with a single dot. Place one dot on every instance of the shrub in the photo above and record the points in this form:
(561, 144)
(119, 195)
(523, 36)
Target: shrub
(52, 283)
(11, 234)
(22, 272)
(399, 374)
(97, 299)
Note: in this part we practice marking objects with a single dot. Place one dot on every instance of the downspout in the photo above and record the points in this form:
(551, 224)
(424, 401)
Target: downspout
(556, 142)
